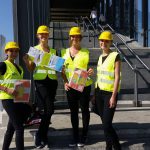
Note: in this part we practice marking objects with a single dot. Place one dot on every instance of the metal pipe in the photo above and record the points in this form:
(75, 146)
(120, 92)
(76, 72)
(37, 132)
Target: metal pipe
(136, 87)
(138, 58)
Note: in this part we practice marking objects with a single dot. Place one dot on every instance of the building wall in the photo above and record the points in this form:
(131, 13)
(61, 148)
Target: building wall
(27, 16)
(149, 23)
(2, 44)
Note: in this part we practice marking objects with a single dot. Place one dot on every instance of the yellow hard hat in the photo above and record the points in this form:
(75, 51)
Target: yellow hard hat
(75, 31)
(42, 29)
(11, 45)
(106, 35)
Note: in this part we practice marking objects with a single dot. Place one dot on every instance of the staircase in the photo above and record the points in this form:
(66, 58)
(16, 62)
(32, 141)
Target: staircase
(126, 95)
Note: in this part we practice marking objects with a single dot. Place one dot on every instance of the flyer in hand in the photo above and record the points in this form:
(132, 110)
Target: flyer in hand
(34, 54)
(44, 59)
(78, 79)
(23, 89)
(56, 63)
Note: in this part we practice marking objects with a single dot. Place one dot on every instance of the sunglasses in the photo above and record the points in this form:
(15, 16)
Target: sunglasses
(105, 41)
(12, 50)
(76, 36)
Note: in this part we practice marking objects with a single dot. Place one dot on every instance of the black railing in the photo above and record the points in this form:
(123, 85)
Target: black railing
(88, 27)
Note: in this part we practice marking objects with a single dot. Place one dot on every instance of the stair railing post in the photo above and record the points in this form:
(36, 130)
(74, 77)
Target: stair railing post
(136, 87)
(94, 39)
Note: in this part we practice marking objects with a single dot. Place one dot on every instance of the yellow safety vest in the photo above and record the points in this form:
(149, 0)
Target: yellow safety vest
(40, 72)
(80, 61)
(9, 78)
(106, 73)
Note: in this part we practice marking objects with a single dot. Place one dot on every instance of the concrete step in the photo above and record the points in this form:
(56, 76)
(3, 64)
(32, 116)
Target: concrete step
(131, 124)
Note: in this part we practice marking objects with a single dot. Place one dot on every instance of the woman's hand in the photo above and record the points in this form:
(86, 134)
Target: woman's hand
(11, 91)
(29, 64)
(26, 58)
(63, 69)
(67, 87)
(90, 72)
(112, 102)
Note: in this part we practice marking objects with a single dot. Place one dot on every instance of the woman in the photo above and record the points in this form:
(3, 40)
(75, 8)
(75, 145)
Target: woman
(17, 112)
(107, 87)
(46, 84)
(77, 57)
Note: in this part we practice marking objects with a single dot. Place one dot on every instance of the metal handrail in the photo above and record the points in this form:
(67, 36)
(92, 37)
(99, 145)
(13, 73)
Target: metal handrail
(125, 43)
(124, 57)
(90, 24)
(87, 27)
(61, 35)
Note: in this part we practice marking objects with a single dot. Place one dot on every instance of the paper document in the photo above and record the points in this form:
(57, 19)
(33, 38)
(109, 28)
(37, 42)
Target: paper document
(23, 89)
(34, 54)
(44, 59)
(78, 79)
(56, 63)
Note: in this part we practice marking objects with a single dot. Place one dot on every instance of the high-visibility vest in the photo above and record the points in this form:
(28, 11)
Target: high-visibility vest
(9, 78)
(41, 72)
(80, 61)
(106, 73)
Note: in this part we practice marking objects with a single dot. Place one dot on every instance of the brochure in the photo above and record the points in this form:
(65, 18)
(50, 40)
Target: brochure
(34, 54)
(78, 79)
(56, 63)
(44, 59)
(23, 89)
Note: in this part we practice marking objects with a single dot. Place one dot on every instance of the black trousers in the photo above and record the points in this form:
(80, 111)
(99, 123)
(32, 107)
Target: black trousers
(17, 113)
(46, 92)
(74, 99)
(106, 114)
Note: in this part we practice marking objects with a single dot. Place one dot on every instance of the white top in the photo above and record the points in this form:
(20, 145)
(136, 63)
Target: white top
(93, 14)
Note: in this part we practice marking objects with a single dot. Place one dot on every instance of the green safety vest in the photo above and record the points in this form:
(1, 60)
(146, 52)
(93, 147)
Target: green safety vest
(41, 72)
(106, 73)
(80, 61)
(9, 78)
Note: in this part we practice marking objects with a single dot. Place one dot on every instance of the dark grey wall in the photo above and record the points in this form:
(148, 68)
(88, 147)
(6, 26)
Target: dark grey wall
(27, 16)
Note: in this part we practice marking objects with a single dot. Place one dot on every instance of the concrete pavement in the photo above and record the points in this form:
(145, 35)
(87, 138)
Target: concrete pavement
(131, 124)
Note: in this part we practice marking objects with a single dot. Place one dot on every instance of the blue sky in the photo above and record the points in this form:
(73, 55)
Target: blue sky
(6, 19)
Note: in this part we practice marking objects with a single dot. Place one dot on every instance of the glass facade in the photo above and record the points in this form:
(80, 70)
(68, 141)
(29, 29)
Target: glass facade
(149, 23)
(132, 17)
(127, 15)
(138, 21)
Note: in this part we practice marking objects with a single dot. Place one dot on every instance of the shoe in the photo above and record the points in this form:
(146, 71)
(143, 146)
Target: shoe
(73, 143)
(39, 146)
(82, 142)
(44, 144)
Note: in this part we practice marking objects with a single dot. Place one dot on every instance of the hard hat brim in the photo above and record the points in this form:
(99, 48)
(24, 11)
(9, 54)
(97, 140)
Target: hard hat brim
(43, 32)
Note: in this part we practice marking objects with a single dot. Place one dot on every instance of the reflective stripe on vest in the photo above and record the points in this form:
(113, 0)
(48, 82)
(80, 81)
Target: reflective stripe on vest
(106, 81)
(9, 78)
(45, 71)
(105, 73)
(80, 61)
(40, 73)
(8, 81)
